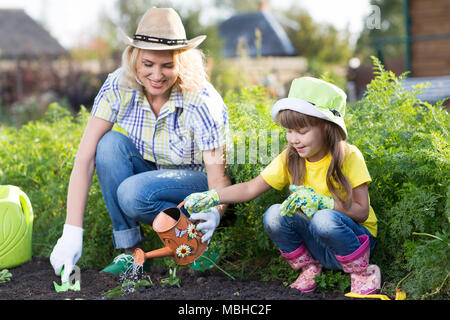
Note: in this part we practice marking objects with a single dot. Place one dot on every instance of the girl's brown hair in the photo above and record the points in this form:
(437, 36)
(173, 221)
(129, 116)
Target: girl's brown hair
(334, 140)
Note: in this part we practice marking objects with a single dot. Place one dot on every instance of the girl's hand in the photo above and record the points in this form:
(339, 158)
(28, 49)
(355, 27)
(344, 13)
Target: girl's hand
(201, 201)
(305, 199)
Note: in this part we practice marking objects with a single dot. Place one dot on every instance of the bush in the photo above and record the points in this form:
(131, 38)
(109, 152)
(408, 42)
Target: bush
(39, 158)
(405, 144)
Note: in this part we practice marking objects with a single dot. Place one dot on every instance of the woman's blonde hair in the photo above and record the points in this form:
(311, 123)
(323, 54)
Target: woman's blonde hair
(190, 64)
(334, 140)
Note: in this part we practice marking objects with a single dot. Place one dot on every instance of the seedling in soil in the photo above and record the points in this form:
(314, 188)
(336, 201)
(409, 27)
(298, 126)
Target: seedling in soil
(5, 276)
(131, 281)
(172, 280)
(127, 287)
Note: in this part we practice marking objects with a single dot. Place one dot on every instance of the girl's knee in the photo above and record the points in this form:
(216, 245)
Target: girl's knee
(323, 222)
(272, 219)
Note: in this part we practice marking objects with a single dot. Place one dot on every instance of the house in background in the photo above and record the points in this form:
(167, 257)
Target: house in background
(22, 37)
(35, 69)
(428, 37)
(259, 33)
(428, 48)
(427, 56)
(257, 44)
(23, 42)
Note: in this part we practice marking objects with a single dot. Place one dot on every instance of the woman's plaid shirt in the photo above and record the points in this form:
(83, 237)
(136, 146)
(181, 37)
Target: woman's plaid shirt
(188, 123)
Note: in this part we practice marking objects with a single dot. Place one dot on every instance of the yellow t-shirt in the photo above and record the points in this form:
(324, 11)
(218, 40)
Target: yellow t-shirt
(354, 168)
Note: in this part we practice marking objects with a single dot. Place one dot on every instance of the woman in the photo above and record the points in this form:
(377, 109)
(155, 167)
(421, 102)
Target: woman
(175, 124)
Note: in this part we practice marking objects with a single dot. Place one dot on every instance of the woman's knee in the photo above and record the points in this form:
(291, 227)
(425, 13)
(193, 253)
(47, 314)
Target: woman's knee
(108, 147)
(131, 200)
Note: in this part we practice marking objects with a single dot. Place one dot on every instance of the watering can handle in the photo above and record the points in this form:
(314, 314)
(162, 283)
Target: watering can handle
(181, 204)
(26, 205)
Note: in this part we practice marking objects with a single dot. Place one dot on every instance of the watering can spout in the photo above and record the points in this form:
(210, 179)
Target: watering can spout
(140, 256)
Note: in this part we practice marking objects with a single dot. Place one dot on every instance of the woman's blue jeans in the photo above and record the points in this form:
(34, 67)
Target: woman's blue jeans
(135, 191)
(326, 234)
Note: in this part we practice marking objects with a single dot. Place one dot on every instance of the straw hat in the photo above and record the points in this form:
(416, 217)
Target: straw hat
(316, 98)
(161, 29)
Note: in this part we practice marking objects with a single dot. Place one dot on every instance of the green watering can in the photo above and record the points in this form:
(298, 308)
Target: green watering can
(16, 224)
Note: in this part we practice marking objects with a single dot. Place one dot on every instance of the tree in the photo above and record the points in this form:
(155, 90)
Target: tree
(322, 42)
(388, 37)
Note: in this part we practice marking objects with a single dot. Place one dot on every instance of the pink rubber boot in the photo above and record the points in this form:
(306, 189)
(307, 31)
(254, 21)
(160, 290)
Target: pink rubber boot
(365, 277)
(302, 259)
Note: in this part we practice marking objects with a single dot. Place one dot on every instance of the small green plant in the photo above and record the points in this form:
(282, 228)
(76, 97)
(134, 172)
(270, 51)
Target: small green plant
(172, 280)
(5, 276)
(128, 286)
(332, 280)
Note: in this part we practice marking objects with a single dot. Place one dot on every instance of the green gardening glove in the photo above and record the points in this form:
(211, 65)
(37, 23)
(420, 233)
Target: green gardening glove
(305, 199)
(200, 201)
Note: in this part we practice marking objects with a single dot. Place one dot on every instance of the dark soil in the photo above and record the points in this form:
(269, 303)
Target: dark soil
(34, 281)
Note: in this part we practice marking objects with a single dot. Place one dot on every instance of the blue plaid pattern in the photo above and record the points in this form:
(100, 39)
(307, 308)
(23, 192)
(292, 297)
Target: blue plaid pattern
(189, 123)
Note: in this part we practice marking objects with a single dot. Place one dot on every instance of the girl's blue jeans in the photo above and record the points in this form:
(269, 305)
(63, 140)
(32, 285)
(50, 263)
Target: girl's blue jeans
(326, 234)
(135, 191)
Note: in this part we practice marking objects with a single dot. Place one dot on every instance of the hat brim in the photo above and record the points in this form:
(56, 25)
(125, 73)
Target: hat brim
(302, 106)
(193, 43)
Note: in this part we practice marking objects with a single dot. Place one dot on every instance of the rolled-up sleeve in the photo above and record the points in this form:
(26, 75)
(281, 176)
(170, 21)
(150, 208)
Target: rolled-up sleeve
(209, 123)
(107, 102)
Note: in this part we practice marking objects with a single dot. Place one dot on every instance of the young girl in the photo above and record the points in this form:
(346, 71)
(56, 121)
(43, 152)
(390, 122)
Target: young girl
(334, 225)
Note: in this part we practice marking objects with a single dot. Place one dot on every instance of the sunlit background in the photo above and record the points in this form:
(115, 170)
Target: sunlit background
(250, 42)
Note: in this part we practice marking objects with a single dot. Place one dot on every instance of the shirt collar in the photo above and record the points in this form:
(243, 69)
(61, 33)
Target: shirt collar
(175, 101)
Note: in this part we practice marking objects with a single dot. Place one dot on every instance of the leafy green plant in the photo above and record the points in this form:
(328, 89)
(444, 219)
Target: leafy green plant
(127, 286)
(5, 276)
(332, 280)
(406, 146)
(172, 280)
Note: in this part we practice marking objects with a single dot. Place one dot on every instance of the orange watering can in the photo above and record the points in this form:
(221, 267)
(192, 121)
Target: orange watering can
(179, 235)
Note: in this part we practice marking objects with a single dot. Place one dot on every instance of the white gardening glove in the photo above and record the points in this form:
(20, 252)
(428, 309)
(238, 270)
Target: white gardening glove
(211, 221)
(67, 251)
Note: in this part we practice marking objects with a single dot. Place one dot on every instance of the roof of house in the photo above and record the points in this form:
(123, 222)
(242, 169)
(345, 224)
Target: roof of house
(439, 88)
(274, 40)
(21, 36)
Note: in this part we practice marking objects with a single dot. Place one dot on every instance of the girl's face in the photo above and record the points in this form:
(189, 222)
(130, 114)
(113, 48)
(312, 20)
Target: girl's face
(157, 72)
(308, 141)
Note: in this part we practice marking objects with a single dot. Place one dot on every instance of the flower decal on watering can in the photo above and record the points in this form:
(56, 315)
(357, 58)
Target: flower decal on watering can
(192, 231)
(183, 251)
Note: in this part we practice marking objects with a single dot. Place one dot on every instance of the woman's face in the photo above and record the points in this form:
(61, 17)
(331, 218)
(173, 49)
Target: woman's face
(157, 72)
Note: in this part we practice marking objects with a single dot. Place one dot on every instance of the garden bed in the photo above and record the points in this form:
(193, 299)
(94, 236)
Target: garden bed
(34, 281)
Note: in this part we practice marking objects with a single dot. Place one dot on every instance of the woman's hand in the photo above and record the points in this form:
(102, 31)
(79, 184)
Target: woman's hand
(211, 220)
(67, 251)
(305, 199)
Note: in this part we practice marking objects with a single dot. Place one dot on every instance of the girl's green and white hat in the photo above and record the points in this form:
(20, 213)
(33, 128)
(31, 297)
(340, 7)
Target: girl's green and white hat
(316, 98)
